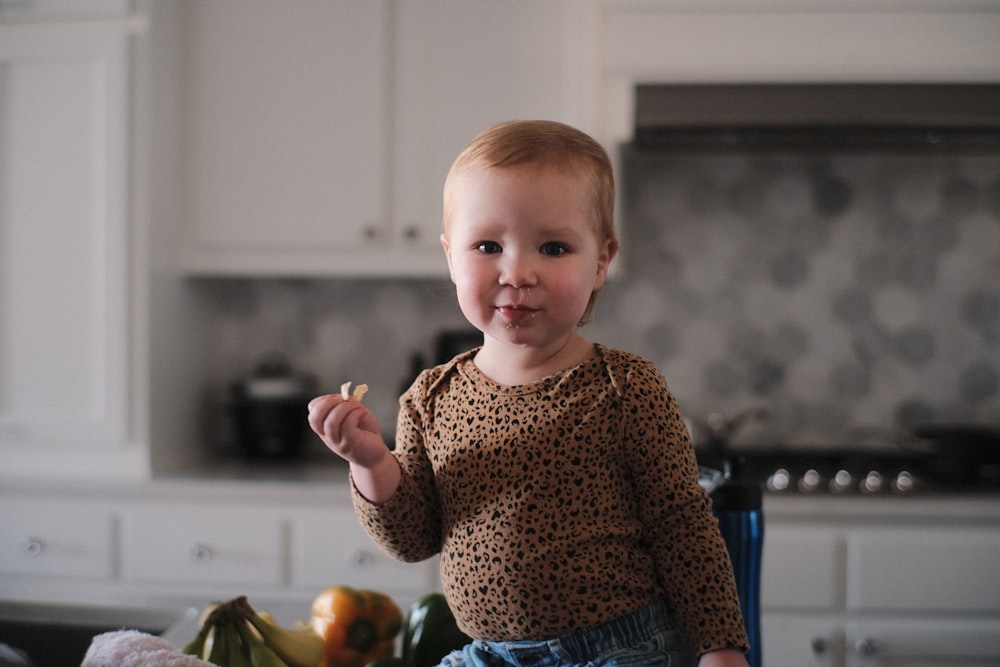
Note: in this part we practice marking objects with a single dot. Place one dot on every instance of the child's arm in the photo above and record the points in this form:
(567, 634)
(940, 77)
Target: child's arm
(351, 431)
(724, 658)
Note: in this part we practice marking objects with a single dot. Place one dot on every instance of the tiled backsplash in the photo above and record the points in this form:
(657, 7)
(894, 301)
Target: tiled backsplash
(835, 290)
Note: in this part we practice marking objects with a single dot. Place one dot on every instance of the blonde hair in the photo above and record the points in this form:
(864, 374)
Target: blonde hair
(543, 143)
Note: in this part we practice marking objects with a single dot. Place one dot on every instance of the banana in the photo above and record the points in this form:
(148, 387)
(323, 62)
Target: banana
(218, 654)
(298, 647)
(197, 645)
(239, 652)
(206, 621)
(207, 612)
(260, 653)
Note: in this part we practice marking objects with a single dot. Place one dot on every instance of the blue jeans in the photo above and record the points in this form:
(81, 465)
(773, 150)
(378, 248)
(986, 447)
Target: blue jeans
(645, 638)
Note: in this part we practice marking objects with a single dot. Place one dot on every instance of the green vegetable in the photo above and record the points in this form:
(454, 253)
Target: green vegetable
(431, 632)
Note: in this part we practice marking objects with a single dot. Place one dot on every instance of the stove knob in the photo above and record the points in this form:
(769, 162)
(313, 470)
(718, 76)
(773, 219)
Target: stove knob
(872, 483)
(842, 481)
(779, 480)
(904, 481)
(810, 481)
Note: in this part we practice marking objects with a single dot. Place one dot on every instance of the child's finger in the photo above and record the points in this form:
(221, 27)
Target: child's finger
(319, 411)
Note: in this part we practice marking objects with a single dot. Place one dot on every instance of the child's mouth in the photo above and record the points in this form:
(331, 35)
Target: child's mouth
(516, 313)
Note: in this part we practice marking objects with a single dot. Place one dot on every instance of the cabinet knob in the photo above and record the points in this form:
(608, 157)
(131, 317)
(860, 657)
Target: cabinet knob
(411, 233)
(31, 547)
(202, 553)
(819, 645)
(866, 646)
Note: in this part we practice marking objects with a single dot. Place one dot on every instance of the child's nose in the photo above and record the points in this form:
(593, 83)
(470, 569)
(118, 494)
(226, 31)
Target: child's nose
(517, 270)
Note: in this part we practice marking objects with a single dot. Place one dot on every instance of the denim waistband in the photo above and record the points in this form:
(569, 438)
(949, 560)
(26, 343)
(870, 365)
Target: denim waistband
(582, 646)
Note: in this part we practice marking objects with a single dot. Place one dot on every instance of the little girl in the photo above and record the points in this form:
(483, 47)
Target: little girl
(554, 475)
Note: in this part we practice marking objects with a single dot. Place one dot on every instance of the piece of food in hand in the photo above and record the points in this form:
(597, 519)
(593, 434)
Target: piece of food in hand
(359, 391)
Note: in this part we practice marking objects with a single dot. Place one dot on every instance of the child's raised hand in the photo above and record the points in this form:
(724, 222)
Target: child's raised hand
(348, 429)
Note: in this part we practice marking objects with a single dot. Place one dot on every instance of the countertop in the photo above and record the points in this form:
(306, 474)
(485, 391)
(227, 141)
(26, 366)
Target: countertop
(328, 481)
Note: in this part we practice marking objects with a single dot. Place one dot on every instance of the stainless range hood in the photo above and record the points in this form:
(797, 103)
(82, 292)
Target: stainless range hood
(774, 116)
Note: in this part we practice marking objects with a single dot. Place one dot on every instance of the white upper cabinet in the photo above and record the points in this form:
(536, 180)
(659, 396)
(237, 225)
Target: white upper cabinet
(461, 66)
(287, 139)
(318, 135)
(65, 288)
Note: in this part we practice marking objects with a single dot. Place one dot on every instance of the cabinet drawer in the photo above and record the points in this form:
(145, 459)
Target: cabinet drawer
(796, 640)
(951, 642)
(212, 545)
(330, 548)
(802, 567)
(943, 569)
(50, 538)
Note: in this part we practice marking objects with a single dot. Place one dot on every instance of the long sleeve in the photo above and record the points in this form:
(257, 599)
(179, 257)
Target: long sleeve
(408, 525)
(683, 535)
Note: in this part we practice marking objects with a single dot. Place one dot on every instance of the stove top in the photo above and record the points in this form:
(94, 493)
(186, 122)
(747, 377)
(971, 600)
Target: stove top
(862, 473)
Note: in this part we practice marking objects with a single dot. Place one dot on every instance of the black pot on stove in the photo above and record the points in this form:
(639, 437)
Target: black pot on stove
(268, 410)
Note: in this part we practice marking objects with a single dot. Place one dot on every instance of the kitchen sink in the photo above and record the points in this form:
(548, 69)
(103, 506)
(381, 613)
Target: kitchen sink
(54, 635)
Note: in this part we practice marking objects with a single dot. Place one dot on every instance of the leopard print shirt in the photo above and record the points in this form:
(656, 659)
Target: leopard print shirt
(557, 505)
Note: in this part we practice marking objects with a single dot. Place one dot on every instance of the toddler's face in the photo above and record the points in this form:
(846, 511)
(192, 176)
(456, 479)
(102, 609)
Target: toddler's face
(523, 252)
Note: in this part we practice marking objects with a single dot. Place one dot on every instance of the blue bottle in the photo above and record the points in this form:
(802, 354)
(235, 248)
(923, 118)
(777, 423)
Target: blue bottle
(738, 504)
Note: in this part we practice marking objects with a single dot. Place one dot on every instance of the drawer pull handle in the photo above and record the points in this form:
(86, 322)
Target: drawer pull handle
(866, 646)
(31, 547)
(202, 553)
(819, 645)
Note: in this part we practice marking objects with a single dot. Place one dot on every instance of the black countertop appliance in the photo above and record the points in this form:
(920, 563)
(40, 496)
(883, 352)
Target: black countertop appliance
(269, 408)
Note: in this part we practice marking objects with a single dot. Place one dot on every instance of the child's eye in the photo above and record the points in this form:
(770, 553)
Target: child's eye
(553, 249)
(488, 247)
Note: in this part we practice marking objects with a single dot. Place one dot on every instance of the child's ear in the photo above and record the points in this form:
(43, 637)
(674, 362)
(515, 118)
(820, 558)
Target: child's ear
(447, 254)
(607, 255)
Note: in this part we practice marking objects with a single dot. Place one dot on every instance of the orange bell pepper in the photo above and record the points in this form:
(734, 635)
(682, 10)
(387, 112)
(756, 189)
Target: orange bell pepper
(357, 626)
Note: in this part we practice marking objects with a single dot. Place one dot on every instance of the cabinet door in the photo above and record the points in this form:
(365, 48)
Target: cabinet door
(203, 544)
(287, 134)
(64, 279)
(329, 548)
(461, 66)
(799, 641)
(939, 568)
(64, 539)
(802, 567)
(941, 642)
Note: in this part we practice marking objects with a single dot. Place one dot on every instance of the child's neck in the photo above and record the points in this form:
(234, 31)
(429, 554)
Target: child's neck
(514, 365)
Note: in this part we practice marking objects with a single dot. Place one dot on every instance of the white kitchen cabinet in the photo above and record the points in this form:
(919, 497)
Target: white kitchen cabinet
(66, 285)
(804, 566)
(802, 641)
(879, 582)
(328, 547)
(287, 139)
(950, 569)
(44, 538)
(191, 542)
(940, 642)
(216, 545)
(338, 169)
(461, 66)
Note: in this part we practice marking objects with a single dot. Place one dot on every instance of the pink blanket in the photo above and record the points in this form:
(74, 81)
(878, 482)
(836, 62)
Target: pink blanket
(131, 648)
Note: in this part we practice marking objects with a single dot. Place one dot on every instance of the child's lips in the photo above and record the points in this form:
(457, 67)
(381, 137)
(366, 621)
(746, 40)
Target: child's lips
(516, 313)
